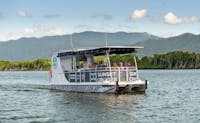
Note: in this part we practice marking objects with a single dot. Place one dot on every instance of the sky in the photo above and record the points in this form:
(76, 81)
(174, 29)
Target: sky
(37, 18)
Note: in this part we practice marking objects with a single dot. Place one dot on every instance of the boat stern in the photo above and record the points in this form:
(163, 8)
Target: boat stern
(139, 86)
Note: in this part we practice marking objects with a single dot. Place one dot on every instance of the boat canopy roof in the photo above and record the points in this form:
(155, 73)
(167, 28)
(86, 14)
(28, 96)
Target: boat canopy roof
(96, 51)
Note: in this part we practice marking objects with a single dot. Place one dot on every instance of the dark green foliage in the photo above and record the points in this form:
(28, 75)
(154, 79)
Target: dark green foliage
(171, 60)
(39, 64)
(121, 58)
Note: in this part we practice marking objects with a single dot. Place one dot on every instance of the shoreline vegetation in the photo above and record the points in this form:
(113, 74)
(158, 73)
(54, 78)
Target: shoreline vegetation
(171, 60)
(31, 65)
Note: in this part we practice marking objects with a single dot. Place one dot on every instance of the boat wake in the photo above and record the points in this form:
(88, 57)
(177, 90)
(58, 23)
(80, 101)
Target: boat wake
(23, 87)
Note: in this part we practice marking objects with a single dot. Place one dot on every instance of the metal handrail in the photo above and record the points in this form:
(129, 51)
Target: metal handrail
(123, 73)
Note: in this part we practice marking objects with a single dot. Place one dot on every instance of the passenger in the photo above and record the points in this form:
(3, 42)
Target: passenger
(95, 65)
(89, 66)
(122, 72)
(115, 66)
(121, 66)
(129, 64)
(125, 64)
(99, 64)
(102, 64)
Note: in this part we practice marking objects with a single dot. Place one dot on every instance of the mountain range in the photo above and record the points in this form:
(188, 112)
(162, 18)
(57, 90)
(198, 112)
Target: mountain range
(33, 48)
(184, 42)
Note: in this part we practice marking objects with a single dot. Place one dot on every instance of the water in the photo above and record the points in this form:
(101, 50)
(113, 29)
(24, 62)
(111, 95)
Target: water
(172, 96)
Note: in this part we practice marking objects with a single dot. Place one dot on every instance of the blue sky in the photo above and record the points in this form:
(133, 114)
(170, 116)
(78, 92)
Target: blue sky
(36, 18)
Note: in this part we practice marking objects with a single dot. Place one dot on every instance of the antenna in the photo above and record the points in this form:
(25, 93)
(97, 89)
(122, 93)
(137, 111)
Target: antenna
(71, 42)
(106, 39)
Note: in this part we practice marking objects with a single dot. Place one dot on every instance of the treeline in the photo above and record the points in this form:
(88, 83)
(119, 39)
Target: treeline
(171, 60)
(39, 64)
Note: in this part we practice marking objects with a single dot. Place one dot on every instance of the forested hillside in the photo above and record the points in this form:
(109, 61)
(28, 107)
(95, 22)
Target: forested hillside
(33, 48)
(185, 42)
(171, 60)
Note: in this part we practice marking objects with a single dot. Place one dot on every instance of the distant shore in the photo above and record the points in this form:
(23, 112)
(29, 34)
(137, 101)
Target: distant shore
(171, 60)
(32, 65)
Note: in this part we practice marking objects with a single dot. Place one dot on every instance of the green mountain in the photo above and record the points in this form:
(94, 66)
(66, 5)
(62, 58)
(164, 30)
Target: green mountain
(33, 48)
(185, 42)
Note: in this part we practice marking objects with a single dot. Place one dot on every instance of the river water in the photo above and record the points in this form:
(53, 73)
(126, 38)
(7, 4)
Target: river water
(172, 96)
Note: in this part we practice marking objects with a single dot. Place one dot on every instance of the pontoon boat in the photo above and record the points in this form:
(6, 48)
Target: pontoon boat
(76, 71)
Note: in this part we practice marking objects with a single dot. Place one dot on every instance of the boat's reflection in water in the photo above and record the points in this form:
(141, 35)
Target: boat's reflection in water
(94, 107)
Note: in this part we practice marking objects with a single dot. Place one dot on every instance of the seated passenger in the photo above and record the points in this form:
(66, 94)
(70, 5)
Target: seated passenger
(122, 71)
(121, 66)
(95, 65)
(129, 64)
(115, 66)
(89, 66)
(125, 63)
(102, 64)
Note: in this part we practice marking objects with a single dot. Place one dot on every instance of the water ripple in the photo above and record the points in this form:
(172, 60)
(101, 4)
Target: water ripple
(172, 96)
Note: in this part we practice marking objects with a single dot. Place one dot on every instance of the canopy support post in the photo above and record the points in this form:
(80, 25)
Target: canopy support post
(108, 59)
(136, 67)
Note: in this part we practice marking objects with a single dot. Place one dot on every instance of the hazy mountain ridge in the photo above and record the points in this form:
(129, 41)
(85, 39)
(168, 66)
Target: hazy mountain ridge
(33, 48)
(185, 42)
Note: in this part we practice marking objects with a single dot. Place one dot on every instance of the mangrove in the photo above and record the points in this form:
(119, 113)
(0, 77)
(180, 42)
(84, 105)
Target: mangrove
(171, 60)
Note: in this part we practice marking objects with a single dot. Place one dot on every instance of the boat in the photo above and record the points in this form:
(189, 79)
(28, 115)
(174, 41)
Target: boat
(76, 71)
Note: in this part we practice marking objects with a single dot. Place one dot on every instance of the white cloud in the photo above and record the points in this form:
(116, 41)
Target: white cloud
(168, 34)
(34, 31)
(171, 18)
(22, 13)
(54, 31)
(105, 27)
(85, 27)
(139, 14)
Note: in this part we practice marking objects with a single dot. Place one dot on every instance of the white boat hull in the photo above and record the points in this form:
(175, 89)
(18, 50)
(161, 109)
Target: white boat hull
(122, 87)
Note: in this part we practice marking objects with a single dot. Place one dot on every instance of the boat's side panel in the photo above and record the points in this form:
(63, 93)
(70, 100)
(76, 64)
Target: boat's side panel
(137, 86)
(57, 72)
(84, 88)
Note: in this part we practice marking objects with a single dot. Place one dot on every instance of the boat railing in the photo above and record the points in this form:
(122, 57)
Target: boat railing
(103, 74)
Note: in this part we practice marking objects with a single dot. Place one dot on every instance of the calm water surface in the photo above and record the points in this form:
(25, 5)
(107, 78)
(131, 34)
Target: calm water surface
(172, 96)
